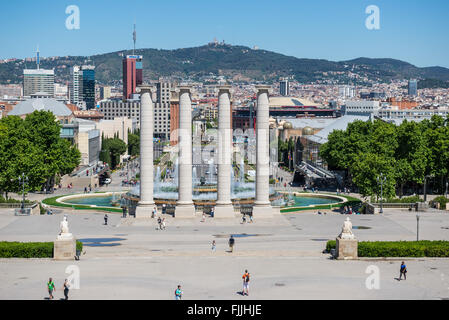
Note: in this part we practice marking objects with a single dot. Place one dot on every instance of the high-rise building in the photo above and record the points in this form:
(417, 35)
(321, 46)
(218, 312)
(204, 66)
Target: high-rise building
(132, 75)
(75, 84)
(89, 86)
(82, 87)
(38, 81)
(412, 87)
(284, 87)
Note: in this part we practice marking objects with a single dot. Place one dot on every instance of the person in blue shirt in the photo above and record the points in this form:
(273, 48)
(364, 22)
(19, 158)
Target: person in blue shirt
(403, 271)
(178, 293)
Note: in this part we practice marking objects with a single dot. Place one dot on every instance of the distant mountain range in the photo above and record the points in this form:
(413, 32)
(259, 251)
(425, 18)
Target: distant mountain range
(236, 63)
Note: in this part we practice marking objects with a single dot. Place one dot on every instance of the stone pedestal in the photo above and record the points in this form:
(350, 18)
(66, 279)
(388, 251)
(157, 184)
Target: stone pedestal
(224, 211)
(64, 249)
(265, 211)
(185, 211)
(144, 210)
(346, 249)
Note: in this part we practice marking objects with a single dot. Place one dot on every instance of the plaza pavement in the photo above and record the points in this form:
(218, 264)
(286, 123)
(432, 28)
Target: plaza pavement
(134, 260)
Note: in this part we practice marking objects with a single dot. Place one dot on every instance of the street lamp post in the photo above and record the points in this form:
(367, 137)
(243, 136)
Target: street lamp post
(417, 227)
(23, 179)
(381, 179)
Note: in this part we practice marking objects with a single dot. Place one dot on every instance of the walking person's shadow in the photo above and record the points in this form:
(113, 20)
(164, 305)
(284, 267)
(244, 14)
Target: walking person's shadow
(240, 293)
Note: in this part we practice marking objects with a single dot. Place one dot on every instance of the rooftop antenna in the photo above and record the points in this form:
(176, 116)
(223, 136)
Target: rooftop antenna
(134, 38)
(37, 57)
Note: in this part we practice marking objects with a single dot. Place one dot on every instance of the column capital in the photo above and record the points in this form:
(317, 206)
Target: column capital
(184, 88)
(262, 88)
(224, 87)
(145, 89)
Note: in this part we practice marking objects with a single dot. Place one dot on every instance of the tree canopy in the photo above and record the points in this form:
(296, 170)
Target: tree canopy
(33, 146)
(405, 154)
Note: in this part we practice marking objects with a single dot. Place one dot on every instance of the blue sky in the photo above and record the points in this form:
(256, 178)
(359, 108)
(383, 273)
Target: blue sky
(415, 31)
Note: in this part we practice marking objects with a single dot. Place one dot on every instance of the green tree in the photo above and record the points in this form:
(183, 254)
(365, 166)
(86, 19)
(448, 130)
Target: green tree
(34, 147)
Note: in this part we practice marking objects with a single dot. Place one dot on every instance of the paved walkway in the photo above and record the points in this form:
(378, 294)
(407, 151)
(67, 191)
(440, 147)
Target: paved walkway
(131, 259)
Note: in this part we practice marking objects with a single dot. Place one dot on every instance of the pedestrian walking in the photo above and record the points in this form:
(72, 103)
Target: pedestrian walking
(178, 293)
(214, 246)
(51, 288)
(231, 243)
(203, 218)
(163, 224)
(244, 218)
(403, 271)
(159, 222)
(65, 287)
(105, 219)
(245, 278)
(154, 213)
(250, 217)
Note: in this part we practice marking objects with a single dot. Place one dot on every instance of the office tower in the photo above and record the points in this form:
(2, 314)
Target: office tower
(75, 84)
(132, 71)
(132, 75)
(413, 87)
(284, 87)
(38, 81)
(88, 79)
(82, 86)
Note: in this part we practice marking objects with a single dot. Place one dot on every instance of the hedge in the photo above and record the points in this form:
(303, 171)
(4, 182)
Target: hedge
(30, 249)
(423, 248)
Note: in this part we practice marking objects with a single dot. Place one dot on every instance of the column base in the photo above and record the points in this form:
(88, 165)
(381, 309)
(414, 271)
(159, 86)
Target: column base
(224, 211)
(144, 210)
(260, 212)
(185, 211)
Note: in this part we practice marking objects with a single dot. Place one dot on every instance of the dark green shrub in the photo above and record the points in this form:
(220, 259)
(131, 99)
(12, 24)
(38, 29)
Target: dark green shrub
(30, 249)
(331, 244)
(26, 250)
(442, 201)
(412, 199)
(378, 249)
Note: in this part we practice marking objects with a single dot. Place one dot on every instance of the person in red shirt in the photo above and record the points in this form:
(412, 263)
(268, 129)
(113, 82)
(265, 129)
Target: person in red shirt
(245, 278)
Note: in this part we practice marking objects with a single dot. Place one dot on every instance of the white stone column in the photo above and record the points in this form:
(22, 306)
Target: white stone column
(145, 206)
(262, 206)
(224, 208)
(184, 206)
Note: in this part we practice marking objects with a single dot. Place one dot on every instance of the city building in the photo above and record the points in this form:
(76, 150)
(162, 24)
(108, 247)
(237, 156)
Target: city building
(118, 108)
(360, 107)
(132, 75)
(289, 107)
(105, 93)
(284, 87)
(412, 87)
(38, 80)
(162, 110)
(75, 85)
(88, 76)
(82, 87)
(346, 92)
(8, 91)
